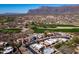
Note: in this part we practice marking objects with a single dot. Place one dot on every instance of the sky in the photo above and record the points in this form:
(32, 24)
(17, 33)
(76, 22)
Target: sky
(23, 8)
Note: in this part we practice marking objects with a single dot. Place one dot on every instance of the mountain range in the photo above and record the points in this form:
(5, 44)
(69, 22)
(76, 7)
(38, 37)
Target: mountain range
(44, 10)
(55, 10)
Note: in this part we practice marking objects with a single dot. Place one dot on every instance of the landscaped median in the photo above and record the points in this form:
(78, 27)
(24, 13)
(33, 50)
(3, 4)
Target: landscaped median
(16, 30)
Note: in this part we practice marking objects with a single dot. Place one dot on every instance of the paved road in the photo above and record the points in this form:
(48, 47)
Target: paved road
(34, 52)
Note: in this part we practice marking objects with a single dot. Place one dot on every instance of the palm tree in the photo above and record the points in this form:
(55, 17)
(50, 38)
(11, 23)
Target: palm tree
(12, 41)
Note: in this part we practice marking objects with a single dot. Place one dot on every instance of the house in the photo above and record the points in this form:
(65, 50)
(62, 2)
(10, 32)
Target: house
(50, 41)
(48, 50)
(62, 39)
(37, 46)
(77, 49)
(8, 50)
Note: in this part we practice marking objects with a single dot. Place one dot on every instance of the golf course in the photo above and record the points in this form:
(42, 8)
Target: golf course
(54, 28)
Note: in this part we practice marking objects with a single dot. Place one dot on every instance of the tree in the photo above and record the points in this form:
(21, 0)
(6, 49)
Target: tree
(76, 40)
(46, 33)
(26, 26)
(58, 45)
(1, 49)
(33, 23)
(73, 42)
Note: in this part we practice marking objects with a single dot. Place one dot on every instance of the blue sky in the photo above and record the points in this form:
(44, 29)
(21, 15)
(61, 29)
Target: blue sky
(23, 8)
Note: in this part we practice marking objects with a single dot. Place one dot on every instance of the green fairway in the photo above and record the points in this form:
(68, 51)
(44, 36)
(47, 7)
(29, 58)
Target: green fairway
(10, 30)
(55, 28)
